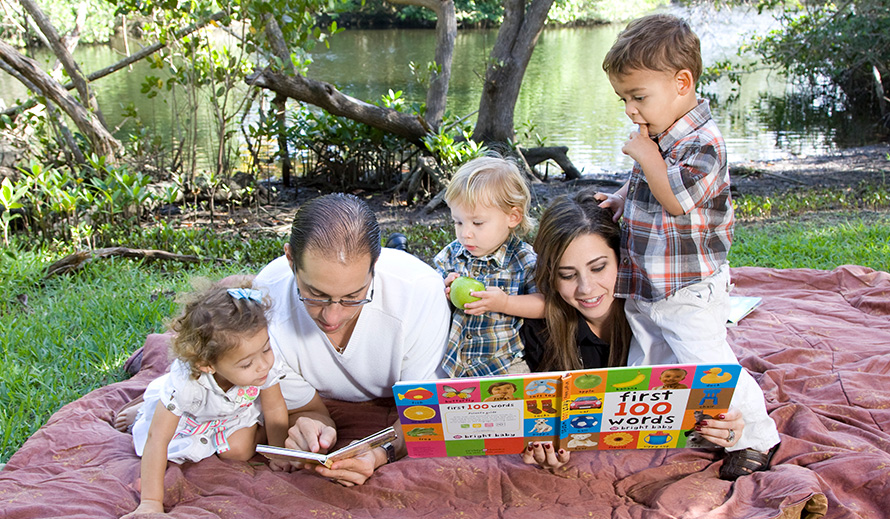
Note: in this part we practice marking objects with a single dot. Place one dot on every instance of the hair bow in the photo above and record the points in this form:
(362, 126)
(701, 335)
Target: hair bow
(246, 293)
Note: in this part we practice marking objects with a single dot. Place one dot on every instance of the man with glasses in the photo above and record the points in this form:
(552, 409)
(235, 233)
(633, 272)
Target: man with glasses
(349, 319)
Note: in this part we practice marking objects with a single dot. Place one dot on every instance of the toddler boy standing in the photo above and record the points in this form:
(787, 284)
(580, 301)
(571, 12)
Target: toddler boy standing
(678, 221)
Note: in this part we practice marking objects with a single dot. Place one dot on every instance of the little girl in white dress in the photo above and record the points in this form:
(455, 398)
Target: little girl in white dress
(209, 403)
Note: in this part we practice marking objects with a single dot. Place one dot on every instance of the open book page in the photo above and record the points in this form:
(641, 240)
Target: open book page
(350, 451)
(741, 307)
(638, 407)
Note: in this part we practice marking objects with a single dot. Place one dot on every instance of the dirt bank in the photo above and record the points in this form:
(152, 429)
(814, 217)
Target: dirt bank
(843, 169)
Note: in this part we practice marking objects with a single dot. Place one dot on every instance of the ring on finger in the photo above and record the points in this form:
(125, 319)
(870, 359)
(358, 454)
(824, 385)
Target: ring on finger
(731, 436)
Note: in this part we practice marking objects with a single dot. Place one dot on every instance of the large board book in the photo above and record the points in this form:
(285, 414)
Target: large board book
(643, 407)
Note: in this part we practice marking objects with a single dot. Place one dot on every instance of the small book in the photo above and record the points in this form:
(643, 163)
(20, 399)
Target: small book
(350, 451)
(739, 307)
(637, 407)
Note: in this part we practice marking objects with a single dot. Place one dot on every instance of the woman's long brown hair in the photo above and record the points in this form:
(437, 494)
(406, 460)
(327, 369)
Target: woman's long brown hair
(567, 218)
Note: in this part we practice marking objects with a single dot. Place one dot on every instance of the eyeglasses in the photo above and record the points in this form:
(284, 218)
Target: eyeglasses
(348, 303)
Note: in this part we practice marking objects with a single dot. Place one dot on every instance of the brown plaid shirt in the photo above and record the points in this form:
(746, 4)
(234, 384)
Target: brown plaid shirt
(662, 253)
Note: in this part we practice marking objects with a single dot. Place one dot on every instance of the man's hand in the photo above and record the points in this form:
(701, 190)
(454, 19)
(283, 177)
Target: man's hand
(281, 466)
(449, 279)
(310, 435)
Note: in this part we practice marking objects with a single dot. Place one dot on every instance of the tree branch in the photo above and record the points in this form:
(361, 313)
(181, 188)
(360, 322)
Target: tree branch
(77, 260)
(64, 56)
(129, 60)
(102, 141)
(325, 95)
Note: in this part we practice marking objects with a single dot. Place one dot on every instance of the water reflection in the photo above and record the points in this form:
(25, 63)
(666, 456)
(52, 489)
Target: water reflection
(565, 93)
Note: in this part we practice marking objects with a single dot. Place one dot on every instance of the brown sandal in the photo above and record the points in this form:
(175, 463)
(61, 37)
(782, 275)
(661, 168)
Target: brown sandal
(745, 462)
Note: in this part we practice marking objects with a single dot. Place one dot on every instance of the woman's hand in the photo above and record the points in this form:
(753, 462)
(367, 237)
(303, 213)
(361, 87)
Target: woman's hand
(725, 430)
(543, 454)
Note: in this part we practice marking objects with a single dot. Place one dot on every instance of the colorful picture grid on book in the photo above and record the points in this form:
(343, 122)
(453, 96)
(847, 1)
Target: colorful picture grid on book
(652, 407)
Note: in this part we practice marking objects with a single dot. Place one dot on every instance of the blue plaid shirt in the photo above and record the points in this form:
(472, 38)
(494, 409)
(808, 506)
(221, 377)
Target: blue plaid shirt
(662, 253)
(487, 344)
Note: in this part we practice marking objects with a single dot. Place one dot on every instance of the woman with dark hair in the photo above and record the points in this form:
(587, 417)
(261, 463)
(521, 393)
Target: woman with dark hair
(578, 333)
(584, 327)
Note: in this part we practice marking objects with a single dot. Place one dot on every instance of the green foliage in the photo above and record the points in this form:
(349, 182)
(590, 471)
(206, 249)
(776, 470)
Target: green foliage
(567, 12)
(98, 22)
(80, 207)
(451, 151)
(342, 154)
(868, 195)
(819, 241)
(72, 335)
(9, 199)
(832, 45)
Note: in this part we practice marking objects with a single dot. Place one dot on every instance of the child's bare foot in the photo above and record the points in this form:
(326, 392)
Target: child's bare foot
(126, 415)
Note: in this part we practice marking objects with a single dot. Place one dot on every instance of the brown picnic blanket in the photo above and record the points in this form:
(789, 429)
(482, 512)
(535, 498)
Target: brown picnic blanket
(819, 345)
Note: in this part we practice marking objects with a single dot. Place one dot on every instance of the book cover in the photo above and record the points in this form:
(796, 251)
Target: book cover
(740, 307)
(353, 449)
(646, 407)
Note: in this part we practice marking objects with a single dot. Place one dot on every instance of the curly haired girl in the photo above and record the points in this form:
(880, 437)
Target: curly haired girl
(206, 404)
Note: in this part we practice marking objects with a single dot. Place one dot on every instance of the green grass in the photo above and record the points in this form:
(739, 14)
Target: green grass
(74, 332)
(64, 338)
(815, 240)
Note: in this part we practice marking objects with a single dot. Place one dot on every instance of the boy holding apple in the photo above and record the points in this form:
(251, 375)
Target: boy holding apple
(489, 200)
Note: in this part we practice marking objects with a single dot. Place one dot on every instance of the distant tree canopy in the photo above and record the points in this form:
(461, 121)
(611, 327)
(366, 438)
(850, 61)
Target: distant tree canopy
(843, 45)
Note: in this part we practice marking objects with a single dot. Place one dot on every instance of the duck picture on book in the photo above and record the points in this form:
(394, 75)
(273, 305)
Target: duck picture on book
(643, 407)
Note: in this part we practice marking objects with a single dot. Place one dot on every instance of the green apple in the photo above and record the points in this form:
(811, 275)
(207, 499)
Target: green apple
(588, 381)
(461, 288)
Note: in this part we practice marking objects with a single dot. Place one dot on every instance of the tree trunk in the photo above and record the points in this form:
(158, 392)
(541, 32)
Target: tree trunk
(326, 96)
(64, 56)
(510, 55)
(279, 48)
(54, 116)
(103, 143)
(446, 33)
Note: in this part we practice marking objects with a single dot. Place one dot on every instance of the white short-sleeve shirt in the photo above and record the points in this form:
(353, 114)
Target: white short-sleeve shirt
(400, 335)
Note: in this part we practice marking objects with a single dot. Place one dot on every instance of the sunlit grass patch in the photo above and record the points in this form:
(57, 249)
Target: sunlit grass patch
(818, 240)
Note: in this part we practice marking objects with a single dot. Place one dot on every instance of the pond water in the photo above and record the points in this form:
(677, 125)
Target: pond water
(565, 93)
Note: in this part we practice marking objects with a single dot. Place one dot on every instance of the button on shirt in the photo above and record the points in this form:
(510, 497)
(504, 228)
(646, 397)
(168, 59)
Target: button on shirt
(487, 344)
(663, 253)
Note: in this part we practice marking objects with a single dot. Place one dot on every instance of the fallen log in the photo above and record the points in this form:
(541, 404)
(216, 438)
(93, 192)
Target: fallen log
(559, 154)
(77, 260)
